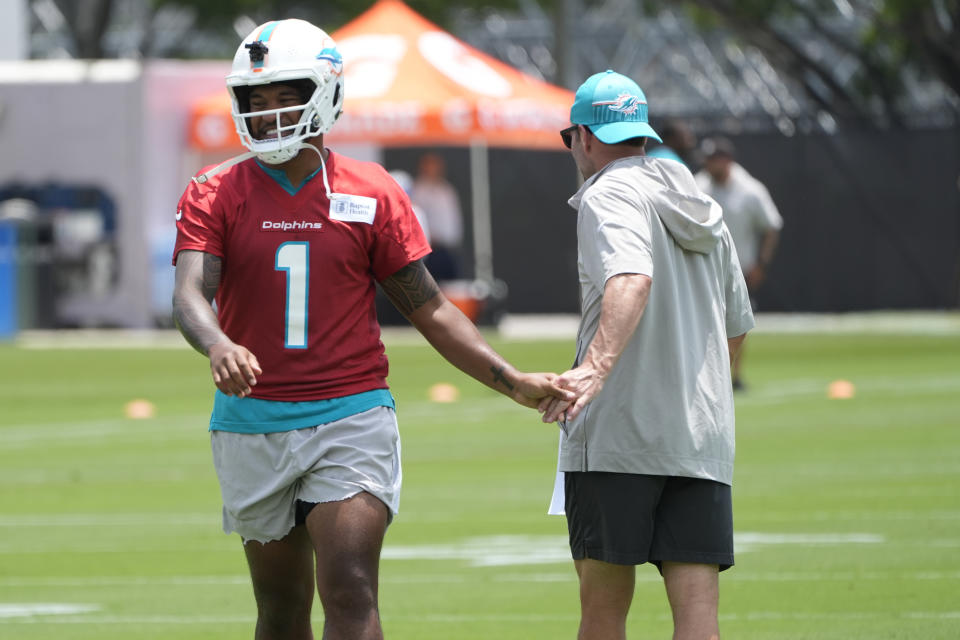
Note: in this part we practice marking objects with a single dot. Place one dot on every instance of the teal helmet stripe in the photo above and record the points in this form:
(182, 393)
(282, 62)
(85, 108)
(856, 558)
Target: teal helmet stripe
(267, 31)
(265, 34)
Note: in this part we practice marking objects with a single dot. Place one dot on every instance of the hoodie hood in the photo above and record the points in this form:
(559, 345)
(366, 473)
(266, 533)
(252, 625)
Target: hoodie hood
(692, 217)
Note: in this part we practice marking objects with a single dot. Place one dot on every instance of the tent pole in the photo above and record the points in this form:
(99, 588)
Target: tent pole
(482, 225)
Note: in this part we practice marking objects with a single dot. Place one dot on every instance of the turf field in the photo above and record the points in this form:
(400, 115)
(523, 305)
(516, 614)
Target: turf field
(847, 510)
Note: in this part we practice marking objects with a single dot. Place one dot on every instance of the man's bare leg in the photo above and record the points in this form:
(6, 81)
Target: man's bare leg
(606, 591)
(694, 594)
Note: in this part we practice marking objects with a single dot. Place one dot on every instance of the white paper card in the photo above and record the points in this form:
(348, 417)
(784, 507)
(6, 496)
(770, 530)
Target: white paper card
(558, 500)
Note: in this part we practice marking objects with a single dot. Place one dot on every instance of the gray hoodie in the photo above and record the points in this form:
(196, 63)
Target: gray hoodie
(667, 405)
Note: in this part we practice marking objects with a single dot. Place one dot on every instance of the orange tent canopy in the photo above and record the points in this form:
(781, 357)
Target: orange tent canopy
(408, 82)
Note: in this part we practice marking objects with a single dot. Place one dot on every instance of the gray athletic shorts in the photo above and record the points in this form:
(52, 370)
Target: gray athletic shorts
(264, 476)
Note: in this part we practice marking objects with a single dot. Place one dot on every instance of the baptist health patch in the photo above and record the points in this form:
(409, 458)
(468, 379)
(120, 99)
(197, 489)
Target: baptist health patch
(347, 208)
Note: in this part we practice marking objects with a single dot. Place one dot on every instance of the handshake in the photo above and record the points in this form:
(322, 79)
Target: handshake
(557, 397)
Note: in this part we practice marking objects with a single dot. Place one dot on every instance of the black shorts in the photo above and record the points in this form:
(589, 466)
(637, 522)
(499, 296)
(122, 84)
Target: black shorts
(627, 518)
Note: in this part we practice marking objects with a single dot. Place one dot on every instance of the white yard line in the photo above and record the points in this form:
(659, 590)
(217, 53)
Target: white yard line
(483, 551)
(30, 609)
(564, 326)
(512, 550)
(101, 339)
(439, 618)
(70, 520)
(876, 322)
(130, 619)
(204, 518)
(530, 327)
(739, 575)
(122, 581)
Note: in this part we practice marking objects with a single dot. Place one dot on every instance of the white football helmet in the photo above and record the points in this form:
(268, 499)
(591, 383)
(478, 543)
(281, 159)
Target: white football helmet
(290, 52)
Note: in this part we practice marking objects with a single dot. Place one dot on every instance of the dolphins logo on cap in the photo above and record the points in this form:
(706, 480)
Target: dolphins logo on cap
(625, 103)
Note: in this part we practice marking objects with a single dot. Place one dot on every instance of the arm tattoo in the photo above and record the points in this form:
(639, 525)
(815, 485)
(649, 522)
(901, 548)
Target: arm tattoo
(410, 288)
(498, 377)
(211, 275)
(197, 280)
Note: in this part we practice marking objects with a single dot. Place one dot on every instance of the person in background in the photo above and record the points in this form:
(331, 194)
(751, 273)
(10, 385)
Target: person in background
(750, 214)
(438, 200)
(679, 143)
(290, 240)
(405, 180)
(647, 449)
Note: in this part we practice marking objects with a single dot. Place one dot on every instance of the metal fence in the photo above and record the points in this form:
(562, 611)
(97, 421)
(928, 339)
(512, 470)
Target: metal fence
(871, 220)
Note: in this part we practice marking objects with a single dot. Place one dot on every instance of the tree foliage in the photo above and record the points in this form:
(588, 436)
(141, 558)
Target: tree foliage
(885, 42)
(853, 58)
(87, 22)
(329, 14)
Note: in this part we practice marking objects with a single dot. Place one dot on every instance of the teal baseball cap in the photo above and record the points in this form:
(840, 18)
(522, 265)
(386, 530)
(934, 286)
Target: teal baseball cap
(614, 107)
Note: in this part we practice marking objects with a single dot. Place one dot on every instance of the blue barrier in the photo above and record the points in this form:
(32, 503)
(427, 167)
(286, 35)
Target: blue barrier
(8, 280)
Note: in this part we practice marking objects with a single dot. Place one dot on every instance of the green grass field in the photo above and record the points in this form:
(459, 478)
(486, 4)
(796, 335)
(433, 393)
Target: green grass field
(847, 511)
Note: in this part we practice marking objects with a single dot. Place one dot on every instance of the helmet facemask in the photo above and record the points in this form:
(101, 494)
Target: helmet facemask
(287, 142)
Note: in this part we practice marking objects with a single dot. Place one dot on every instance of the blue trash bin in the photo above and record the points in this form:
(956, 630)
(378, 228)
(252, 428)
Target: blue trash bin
(8, 280)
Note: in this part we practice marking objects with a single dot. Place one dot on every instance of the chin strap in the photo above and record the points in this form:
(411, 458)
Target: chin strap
(209, 173)
(323, 166)
(223, 166)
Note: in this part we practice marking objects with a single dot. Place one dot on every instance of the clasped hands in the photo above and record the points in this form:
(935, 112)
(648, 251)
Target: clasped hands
(560, 397)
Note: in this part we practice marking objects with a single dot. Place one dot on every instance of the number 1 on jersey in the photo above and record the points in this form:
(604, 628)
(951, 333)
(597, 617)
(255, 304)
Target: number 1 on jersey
(293, 257)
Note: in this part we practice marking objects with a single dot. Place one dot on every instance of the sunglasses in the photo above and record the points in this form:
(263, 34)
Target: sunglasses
(567, 134)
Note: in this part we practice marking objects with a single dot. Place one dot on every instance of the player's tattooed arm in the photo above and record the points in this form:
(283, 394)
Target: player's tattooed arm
(499, 378)
(197, 280)
(233, 367)
(410, 288)
(415, 293)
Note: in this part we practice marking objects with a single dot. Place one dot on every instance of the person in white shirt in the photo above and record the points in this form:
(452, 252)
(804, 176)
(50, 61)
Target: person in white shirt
(433, 194)
(749, 213)
(647, 450)
(679, 143)
(405, 180)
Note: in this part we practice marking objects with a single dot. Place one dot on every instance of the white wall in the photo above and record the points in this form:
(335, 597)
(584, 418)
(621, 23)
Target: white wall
(80, 123)
(170, 88)
(15, 43)
(119, 125)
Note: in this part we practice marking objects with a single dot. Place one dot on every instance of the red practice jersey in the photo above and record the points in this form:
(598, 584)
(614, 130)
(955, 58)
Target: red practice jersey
(298, 278)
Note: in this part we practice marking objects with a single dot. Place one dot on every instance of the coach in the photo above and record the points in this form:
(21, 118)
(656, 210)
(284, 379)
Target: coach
(647, 449)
